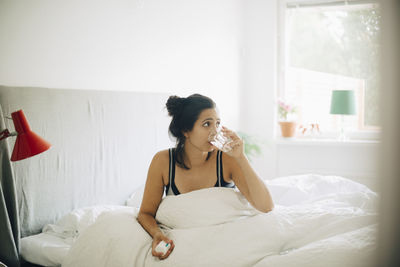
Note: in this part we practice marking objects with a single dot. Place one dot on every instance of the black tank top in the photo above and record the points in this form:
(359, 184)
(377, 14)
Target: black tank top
(171, 189)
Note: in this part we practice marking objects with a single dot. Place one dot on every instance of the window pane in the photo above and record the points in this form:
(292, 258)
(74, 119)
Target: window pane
(333, 48)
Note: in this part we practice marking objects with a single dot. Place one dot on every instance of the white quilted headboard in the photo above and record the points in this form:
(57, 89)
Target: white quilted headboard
(102, 145)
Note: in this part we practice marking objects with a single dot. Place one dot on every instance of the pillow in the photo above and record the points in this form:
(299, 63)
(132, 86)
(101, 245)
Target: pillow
(136, 198)
(74, 223)
(299, 189)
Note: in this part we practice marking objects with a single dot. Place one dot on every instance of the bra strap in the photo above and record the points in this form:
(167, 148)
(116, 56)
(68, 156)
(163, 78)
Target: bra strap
(219, 167)
(171, 160)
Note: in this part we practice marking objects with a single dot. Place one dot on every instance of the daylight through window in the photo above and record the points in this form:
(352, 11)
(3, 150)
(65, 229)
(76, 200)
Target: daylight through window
(332, 47)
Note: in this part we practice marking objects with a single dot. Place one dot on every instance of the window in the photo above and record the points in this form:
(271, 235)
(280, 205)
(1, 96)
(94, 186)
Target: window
(331, 45)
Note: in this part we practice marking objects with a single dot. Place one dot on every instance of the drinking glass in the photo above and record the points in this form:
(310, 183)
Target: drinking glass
(219, 140)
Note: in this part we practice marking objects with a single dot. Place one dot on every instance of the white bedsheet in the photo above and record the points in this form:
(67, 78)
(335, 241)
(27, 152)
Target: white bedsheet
(50, 247)
(44, 249)
(326, 221)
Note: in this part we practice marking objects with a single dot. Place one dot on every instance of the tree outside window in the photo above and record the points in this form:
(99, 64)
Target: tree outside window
(333, 48)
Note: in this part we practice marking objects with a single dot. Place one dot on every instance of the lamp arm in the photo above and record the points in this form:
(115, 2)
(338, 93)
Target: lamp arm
(4, 134)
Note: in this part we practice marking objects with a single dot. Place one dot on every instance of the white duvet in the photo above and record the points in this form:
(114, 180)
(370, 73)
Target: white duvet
(317, 221)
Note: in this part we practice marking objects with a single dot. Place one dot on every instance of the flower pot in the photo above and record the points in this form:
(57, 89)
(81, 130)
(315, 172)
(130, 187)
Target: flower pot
(288, 128)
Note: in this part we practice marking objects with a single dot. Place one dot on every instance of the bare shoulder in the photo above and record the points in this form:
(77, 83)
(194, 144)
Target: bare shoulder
(154, 187)
(161, 156)
(161, 163)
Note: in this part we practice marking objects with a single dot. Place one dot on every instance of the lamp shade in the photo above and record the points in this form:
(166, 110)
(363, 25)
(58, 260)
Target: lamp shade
(27, 143)
(343, 102)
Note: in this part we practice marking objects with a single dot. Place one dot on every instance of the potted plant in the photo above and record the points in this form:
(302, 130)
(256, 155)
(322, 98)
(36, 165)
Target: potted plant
(252, 146)
(288, 126)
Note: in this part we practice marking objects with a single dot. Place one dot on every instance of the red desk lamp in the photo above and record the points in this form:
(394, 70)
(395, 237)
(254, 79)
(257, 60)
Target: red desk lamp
(28, 143)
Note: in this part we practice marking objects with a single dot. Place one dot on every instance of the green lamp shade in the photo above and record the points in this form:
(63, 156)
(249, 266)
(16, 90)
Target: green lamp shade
(343, 102)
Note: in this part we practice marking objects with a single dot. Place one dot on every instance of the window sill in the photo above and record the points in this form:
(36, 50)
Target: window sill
(324, 142)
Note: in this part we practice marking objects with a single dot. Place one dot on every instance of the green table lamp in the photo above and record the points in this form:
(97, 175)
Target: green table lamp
(343, 102)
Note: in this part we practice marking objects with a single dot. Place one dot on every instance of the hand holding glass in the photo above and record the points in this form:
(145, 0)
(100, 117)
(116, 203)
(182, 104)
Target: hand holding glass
(219, 140)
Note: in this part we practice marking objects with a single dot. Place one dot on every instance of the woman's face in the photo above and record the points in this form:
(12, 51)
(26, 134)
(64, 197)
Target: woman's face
(206, 124)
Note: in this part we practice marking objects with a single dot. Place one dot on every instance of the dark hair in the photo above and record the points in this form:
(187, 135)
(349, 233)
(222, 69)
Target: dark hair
(184, 113)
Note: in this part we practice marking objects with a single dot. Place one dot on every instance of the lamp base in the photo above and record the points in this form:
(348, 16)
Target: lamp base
(342, 136)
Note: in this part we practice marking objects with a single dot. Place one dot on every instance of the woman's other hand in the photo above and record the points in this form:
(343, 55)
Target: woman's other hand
(237, 145)
(157, 239)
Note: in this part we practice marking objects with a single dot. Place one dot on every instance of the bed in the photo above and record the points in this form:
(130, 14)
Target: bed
(78, 202)
(102, 144)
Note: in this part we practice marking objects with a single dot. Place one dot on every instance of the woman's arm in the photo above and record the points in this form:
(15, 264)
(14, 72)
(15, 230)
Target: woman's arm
(149, 224)
(245, 178)
(152, 196)
(258, 194)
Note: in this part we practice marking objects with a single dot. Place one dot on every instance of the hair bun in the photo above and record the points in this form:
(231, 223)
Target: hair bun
(174, 105)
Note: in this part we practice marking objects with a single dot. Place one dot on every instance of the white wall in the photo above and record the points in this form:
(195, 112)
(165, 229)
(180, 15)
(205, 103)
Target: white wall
(259, 79)
(260, 50)
(174, 46)
(357, 160)
(226, 49)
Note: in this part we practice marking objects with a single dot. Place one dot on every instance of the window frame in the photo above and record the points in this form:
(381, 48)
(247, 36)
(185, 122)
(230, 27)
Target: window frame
(367, 132)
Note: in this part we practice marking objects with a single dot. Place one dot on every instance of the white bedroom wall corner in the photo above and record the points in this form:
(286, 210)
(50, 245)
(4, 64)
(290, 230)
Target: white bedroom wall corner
(258, 85)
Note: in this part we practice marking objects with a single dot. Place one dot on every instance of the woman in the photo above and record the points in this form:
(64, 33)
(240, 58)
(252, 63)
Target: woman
(193, 163)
